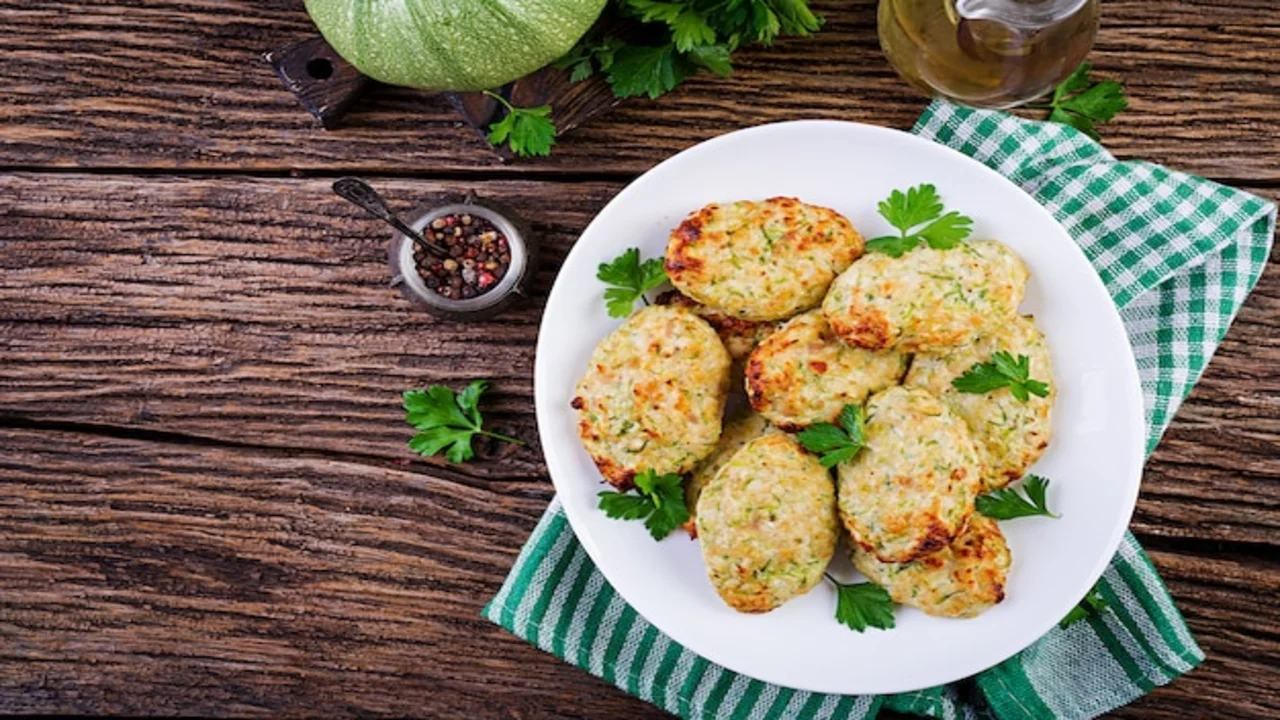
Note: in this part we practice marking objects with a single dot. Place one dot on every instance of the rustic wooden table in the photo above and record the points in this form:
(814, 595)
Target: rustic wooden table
(206, 503)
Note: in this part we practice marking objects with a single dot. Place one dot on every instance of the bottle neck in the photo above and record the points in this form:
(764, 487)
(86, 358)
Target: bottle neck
(1021, 14)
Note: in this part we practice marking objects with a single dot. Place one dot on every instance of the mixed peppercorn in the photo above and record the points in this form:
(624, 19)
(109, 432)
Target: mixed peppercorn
(479, 256)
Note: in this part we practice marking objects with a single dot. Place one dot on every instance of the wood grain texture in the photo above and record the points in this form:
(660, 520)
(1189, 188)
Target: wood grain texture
(155, 578)
(178, 84)
(206, 505)
(192, 579)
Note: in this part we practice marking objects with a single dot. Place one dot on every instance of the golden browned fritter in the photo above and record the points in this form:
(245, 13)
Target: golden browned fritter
(913, 487)
(927, 299)
(761, 260)
(653, 395)
(739, 336)
(803, 374)
(767, 524)
(1010, 434)
(962, 580)
(739, 431)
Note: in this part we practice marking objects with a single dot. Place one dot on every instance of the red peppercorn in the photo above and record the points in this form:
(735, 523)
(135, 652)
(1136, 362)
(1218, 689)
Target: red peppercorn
(480, 257)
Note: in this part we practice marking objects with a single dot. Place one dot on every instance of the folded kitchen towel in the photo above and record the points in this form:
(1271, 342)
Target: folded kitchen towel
(1179, 254)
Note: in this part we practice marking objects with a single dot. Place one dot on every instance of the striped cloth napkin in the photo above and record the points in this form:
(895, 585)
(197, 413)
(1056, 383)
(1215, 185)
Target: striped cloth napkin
(1179, 254)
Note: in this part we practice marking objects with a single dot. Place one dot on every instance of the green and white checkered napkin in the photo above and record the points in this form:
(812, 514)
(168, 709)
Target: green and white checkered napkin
(1179, 254)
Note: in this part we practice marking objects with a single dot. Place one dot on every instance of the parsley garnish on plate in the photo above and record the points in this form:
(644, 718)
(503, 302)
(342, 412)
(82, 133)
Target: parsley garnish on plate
(918, 216)
(1082, 105)
(527, 131)
(659, 502)
(1007, 504)
(1092, 604)
(447, 422)
(629, 279)
(863, 605)
(836, 443)
(1002, 371)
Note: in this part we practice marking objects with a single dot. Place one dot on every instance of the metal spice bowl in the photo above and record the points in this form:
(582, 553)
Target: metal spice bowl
(516, 282)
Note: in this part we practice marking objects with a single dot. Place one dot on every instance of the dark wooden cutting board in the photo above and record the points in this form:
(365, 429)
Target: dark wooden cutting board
(328, 86)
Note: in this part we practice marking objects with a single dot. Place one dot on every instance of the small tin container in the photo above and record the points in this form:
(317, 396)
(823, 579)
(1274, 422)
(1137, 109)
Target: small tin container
(517, 281)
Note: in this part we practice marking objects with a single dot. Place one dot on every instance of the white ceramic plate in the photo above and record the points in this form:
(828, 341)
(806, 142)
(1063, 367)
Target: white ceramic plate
(1094, 460)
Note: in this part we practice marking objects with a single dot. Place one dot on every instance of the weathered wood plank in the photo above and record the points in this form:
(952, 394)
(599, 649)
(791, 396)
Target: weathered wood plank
(178, 84)
(229, 297)
(148, 577)
(257, 312)
(151, 578)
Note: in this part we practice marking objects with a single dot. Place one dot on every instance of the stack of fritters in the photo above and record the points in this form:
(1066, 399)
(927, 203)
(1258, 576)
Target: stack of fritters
(784, 289)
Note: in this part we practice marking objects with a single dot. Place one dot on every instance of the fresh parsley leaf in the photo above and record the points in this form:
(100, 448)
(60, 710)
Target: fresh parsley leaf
(660, 503)
(947, 231)
(582, 70)
(1092, 604)
(981, 378)
(589, 55)
(893, 246)
(675, 38)
(688, 25)
(836, 443)
(863, 605)
(1007, 504)
(712, 57)
(630, 280)
(447, 421)
(527, 131)
(1002, 371)
(918, 216)
(918, 205)
(760, 21)
(647, 70)
(1082, 105)
(625, 507)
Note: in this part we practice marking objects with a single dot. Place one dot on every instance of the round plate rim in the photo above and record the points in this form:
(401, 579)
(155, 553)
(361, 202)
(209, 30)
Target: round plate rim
(544, 406)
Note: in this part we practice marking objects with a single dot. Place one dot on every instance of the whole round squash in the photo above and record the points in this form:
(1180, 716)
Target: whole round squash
(460, 45)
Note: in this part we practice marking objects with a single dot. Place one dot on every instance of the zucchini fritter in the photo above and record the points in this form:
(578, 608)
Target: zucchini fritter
(803, 374)
(653, 395)
(927, 299)
(739, 336)
(912, 488)
(961, 580)
(761, 260)
(737, 432)
(1010, 435)
(767, 524)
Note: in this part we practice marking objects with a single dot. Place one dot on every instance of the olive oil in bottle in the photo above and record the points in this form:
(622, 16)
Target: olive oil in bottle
(987, 53)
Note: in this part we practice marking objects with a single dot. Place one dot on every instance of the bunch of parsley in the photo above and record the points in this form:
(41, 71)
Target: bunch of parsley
(648, 47)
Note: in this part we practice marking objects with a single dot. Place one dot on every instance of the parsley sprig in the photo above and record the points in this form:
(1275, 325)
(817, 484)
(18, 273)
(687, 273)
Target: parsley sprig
(447, 421)
(1002, 371)
(1092, 604)
(836, 443)
(918, 216)
(1083, 105)
(629, 279)
(527, 131)
(863, 605)
(1007, 504)
(659, 502)
(680, 37)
